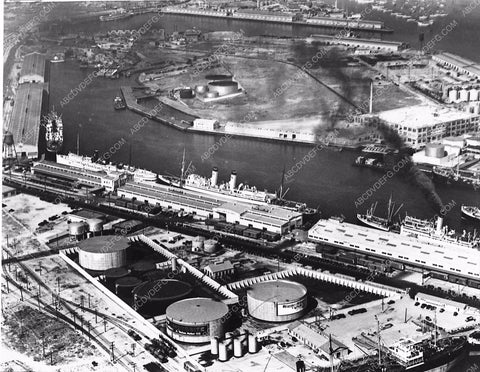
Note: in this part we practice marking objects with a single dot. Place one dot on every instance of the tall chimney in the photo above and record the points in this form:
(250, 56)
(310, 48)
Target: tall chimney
(370, 109)
(214, 178)
(233, 180)
(439, 225)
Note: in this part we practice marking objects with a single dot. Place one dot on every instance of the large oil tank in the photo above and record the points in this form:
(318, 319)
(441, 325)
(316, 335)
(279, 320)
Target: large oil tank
(124, 286)
(435, 150)
(112, 275)
(141, 267)
(223, 87)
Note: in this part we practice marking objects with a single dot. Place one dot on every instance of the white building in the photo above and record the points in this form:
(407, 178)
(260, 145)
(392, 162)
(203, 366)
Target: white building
(422, 124)
(219, 270)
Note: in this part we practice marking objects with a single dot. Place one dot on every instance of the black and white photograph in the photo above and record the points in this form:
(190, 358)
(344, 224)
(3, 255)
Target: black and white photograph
(240, 186)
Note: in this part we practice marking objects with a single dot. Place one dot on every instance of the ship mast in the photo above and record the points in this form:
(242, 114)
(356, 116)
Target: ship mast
(183, 168)
(378, 341)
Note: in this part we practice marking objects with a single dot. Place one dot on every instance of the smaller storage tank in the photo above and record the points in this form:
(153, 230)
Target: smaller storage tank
(95, 226)
(77, 230)
(211, 95)
(210, 246)
(214, 346)
(435, 150)
(141, 267)
(237, 347)
(223, 87)
(186, 93)
(201, 89)
(252, 344)
(219, 77)
(198, 243)
(214, 179)
(453, 95)
(222, 352)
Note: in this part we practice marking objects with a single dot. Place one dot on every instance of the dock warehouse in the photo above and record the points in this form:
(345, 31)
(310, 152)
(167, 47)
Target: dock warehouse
(33, 68)
(26, 116)
(264, 217)
(82, 177)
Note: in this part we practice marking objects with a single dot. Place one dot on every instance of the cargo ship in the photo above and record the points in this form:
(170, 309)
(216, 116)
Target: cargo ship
(116, 15)
(53, 131)
(384, 224)
(119, 103)
(471, 212)
(96, 164)
(442, 356)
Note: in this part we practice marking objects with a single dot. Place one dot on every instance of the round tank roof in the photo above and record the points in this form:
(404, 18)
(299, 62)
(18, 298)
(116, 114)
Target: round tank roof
(277, 291)
(163, 289)
(104, 244)
(128, 281)
(116, 272)
(197, 310)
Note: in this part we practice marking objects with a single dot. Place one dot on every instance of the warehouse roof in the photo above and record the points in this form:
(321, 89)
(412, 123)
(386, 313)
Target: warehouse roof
(25, 120)
(466, 64)
(197, 310)
(220, 267)
(277, 291)
(423, 115)
(33, 64)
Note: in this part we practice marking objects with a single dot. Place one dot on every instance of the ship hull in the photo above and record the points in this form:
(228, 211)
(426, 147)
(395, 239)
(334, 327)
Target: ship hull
(372, 224)
(469, 215)
(54, 147)
(455, 181)
(446, 363)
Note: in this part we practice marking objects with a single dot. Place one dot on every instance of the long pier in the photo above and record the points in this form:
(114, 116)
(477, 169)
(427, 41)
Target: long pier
(163, 113)
(284, 18)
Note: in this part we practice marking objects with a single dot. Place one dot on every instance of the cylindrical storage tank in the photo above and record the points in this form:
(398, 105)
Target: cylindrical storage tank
(210, 246)
(222, 352)
(141, 267)
(77, 230)
(214, 179)
(201, 89)
(8, 139)
(435, 150)
(233, 180)
(219, 77)
(153, 275)
(124, 286)
(198, 243)
(158, 295)
(186, 93)
(174, 264)
(211, 94)
(95, 226)
(214, 346)
(237, 347)
(112, 275)
(196, 320)
(252, 344)
(277, 300)
(103, 252)
(223, 87)
(474, 94)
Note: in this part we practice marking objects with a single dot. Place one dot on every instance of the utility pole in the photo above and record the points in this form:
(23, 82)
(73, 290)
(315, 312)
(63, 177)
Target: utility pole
(113, 354)
(379, 347)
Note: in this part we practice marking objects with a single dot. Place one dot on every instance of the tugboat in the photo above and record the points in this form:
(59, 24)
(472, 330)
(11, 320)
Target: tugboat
(53, 131)
(384, 224)
(119, 103)
(471, 212)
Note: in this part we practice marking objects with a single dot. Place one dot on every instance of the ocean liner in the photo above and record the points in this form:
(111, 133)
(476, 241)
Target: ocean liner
(116, 15)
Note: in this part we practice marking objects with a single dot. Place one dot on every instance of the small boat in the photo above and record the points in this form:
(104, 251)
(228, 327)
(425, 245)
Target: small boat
(471, 212)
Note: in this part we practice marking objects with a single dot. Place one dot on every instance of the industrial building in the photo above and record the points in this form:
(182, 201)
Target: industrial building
(81, 177)
(33, 68)
(103, 252)
(83, 215)
(318, 341)
(26, 117)
(277, 301)
(219, 270)
(457, 63)
(438, 255)
(196, 320)
(439, 154)
(422, 124)
(264, 217)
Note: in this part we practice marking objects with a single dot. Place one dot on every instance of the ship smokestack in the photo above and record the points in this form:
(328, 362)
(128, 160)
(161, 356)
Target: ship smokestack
(233, 180)
(370, 108)
(439, 225)
(214, 178)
